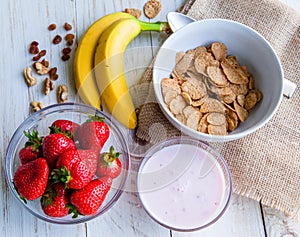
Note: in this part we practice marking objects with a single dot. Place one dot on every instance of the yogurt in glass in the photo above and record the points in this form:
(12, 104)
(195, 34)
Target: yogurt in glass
(184, 184)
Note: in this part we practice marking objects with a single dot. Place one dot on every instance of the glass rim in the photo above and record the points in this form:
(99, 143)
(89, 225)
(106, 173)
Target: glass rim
(55, 108)
(220, 159)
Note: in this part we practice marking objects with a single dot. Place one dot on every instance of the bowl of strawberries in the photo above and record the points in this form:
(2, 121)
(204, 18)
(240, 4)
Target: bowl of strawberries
(67, 163)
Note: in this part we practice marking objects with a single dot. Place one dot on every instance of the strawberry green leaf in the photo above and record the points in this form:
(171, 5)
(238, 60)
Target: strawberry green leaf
(110, 156)
(48, 196)
(34, 140)
(95, 118)
(54, 130)
(72, 209)
(60, 175)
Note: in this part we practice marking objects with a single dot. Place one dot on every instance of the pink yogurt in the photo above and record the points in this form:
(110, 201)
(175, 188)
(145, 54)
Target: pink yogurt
(183, 186)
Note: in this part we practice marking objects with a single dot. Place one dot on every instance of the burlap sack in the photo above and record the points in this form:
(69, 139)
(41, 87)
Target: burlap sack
(266, 164)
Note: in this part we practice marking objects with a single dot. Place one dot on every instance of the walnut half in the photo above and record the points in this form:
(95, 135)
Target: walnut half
(49, 86)
(40, 68)
(36, 106)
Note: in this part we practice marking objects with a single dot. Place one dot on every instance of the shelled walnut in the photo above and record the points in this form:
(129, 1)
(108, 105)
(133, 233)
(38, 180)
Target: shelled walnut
(49, 86)
(36, 106)
(40, 68)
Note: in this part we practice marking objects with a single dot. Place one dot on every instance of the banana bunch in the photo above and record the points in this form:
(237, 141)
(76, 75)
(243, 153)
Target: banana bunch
(84, 59)
(99, 69)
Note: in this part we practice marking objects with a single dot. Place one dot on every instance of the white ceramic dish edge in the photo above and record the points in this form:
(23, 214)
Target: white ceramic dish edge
(242, 45)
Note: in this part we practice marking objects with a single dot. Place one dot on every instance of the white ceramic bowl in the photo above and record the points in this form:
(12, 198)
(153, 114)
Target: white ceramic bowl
(252, 50)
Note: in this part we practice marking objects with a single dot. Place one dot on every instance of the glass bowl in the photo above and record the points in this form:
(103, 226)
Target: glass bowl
(40, 121)
(184, 184)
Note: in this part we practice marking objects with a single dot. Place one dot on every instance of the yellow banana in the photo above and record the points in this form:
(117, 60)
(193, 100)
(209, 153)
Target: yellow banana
(109, 68)
(84, 59)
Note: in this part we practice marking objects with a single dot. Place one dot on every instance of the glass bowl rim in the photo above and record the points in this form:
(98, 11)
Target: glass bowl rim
(187, 140)
(17, 135)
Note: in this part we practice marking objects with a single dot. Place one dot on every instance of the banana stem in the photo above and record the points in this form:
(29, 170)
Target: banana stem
(157, 26)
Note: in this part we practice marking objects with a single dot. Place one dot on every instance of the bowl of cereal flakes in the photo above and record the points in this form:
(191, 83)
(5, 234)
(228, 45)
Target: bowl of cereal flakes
(217, 80)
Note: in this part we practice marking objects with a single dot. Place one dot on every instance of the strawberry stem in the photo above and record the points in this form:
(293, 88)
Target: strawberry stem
(54, 130)
(34, 140)
(95, 118)
(110, 156)
(61, 175)
(49, 194)
(72, 209)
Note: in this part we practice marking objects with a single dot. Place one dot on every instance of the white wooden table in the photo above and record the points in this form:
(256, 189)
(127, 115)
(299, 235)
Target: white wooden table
(21, 22)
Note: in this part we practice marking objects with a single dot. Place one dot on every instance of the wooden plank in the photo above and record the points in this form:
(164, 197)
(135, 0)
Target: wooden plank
(13, 108)
(292, 3)
(277, 224)
(21, 23)
(242, 218)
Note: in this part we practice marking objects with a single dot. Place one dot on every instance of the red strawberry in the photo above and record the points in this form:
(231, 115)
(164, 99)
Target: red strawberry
(55, 199)
(54, 145)
(109, 164)
(72, 170)
(90, 158)
(64, 126)
(32, 149)
(31, 179)
(87, 201)
(93, 133)
(28, 154)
